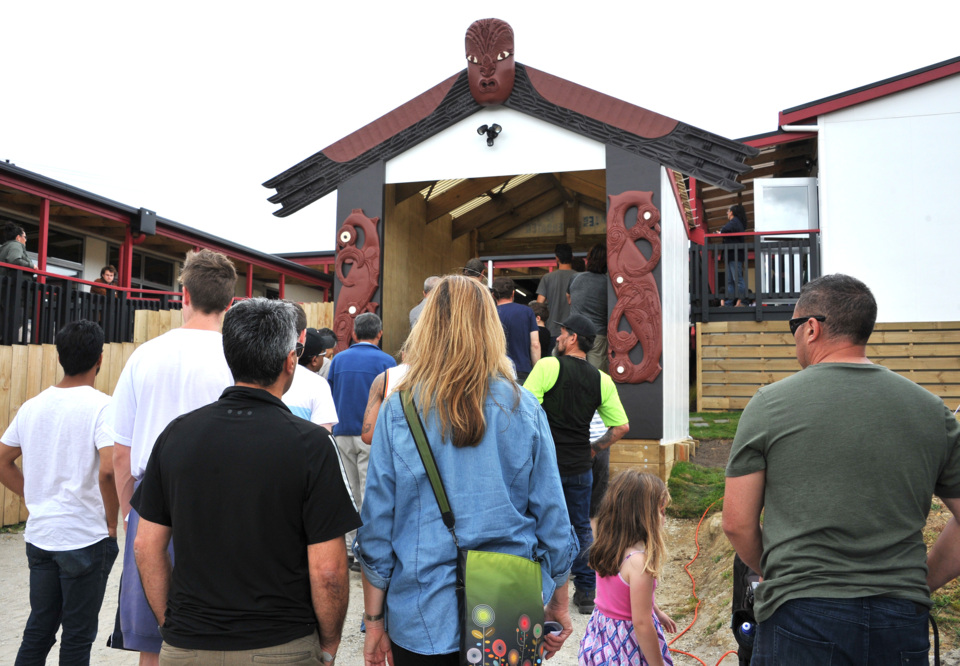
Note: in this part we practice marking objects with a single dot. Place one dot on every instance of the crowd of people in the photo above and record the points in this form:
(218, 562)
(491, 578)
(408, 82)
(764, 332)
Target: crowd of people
(251, 473)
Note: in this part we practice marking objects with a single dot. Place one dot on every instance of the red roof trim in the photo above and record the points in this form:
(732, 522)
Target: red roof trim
(389, 125)
(873, 91)
(592, 104)
(778, 139)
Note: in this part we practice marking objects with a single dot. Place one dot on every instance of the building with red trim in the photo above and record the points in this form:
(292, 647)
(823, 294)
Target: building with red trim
(883, 161)
(72, 233)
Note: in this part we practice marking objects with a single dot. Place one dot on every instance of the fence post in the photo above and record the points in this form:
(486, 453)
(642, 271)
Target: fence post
(705, 281)
(814, 256)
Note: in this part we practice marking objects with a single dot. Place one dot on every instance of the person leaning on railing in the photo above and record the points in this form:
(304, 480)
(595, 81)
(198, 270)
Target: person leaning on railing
(14, 248)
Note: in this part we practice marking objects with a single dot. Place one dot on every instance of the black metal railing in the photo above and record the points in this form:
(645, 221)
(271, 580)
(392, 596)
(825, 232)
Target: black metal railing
(32, 311)
(777, 264)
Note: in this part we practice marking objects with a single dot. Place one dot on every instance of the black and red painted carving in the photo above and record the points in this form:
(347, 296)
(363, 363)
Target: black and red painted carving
(359, 283)
(491, 68)
(638, 299)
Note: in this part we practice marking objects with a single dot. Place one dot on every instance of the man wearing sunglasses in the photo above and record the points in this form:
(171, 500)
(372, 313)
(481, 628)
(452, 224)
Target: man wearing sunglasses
(843, 459)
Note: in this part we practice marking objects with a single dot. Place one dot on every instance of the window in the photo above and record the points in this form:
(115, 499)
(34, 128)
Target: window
(64, 250)
(148, 271)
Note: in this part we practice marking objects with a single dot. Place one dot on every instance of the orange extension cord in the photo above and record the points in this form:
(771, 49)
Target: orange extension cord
(686, 567)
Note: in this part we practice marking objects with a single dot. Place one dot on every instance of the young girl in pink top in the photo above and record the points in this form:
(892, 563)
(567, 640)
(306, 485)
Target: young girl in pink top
(626, 626)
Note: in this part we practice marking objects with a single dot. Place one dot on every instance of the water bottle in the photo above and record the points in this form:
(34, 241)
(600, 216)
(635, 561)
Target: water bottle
(748, 631)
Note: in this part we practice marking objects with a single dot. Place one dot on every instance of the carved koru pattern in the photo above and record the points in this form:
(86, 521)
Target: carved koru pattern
(359, 284)
(638, 298)
(687, 149)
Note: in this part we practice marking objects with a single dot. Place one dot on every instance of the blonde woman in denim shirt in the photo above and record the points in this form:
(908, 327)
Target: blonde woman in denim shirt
(496, 456)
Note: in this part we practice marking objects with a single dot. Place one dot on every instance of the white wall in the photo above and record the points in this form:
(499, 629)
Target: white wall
(526, 145)
(675, 299)
(890, 200)
(299, 293)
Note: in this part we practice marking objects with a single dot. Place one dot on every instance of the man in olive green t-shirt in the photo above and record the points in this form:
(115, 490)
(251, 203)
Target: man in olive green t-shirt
(843, 459)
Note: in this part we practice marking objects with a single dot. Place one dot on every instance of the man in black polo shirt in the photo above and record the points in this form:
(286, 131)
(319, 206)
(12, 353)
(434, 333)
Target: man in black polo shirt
(255, 501)
(571, 390)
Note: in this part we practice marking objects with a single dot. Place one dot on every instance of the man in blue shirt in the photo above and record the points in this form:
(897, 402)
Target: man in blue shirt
(520, 326)
(352, 372)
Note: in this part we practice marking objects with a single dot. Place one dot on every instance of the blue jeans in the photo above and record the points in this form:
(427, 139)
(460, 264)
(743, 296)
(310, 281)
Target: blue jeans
(576, 492)
(66, 588)
(736, 285)
(872, 631)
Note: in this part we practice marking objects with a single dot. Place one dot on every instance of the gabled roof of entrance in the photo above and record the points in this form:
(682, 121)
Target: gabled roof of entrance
(610, 121)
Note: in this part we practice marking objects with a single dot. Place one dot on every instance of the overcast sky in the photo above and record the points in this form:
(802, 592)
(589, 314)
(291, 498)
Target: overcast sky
(185, 108)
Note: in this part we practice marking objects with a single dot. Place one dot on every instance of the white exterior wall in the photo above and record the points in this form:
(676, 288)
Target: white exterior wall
(889, 200)
(675, 301)
(526, 145)
(298, 293)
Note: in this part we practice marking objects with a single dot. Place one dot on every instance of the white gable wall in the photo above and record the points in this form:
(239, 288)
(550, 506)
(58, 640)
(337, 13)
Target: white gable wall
(526, 145)
(890, 202)
(675, 301)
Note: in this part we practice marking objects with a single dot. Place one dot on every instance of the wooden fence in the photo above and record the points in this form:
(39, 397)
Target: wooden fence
(734, 359)
(26, 370)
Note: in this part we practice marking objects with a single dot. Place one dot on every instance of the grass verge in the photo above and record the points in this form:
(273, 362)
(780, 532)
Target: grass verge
(693, 488)
(726, 429)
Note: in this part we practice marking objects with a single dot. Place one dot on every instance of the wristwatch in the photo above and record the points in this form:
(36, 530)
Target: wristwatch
(326, 657)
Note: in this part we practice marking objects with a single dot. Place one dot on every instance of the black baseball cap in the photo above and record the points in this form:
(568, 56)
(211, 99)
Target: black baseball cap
(580, 325)
(313, 344)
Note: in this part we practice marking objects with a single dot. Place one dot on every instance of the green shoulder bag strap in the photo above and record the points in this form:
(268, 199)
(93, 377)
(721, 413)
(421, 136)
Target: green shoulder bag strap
(429, 464)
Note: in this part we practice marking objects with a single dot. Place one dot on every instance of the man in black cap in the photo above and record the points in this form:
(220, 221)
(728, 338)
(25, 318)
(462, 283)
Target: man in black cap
(571, 390)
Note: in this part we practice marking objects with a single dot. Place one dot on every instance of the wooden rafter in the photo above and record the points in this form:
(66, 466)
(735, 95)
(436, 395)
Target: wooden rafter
(501, 204)
(471, 188)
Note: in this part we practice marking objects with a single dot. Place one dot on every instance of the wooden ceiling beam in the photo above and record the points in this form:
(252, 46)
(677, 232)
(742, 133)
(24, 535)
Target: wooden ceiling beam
(468, 190)
(596, 204)
(540, 245)
(500, 204)
(404, 191)
(590, 186)
(519, 216)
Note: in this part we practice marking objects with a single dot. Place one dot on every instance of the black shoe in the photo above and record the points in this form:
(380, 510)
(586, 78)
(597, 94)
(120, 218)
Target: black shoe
(583, 600)
(354, 565)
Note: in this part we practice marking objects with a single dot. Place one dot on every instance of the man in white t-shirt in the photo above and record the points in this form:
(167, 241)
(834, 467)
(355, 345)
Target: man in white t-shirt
(309, 396)
(67, 483)
(166, 377)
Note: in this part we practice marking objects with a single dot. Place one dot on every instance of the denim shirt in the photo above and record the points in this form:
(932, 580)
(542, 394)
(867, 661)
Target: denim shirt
(505, 495)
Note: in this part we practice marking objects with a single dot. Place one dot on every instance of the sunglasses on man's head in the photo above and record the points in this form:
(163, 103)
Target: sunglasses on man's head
(797, 322)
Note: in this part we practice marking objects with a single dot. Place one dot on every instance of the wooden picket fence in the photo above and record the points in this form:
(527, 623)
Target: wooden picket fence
(734, 359)
(26, 370)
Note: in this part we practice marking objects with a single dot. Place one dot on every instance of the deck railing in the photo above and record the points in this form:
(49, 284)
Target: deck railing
(32, 309)
(777, 264)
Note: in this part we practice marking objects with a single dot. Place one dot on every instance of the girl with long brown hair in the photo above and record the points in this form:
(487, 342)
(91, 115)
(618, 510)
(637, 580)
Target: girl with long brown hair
(627, 555)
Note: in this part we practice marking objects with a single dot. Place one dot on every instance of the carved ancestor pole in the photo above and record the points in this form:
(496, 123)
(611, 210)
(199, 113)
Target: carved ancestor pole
(359, 284)
(638, 299)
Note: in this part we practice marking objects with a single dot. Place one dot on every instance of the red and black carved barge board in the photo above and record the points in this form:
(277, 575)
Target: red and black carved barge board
(684, 148)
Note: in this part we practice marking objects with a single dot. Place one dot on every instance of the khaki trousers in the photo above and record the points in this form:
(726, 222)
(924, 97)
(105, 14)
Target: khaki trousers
(304, 650)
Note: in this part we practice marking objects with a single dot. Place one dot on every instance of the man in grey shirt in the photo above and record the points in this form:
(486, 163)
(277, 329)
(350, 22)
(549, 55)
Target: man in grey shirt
(428, 284)
(552, 289)
(587, 296)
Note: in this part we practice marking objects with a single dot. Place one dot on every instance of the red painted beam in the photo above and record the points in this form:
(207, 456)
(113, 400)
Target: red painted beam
(283, 284)
(249, 280)
(44, 241)
(53, 195)
(779, 139)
